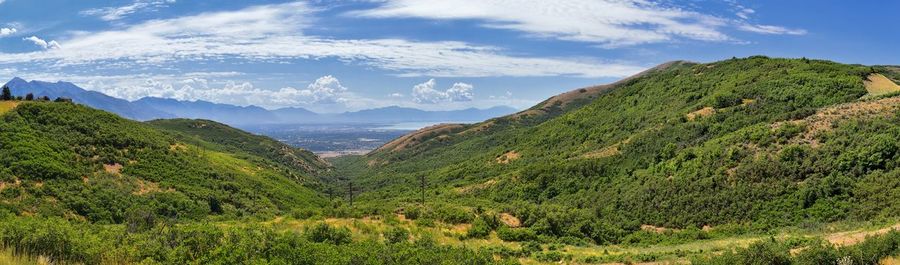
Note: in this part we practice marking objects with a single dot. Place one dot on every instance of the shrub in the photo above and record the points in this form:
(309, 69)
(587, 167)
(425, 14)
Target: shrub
(516, 234)
(396, 235)
(324, 233)
(453, 215)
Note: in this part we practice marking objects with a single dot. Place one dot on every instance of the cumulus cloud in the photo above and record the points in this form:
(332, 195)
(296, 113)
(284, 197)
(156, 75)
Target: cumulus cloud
(325, 90)
(43, 43)
(425, 93)
(7, 31)
(275, 32)
(119, 12)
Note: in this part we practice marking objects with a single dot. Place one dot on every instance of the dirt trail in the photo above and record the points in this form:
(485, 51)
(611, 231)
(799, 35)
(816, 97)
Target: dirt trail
(853, 237)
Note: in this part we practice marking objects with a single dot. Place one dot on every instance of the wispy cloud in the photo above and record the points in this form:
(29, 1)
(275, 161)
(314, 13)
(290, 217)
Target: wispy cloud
(611, 23)
(47, 45)
(275, 32)
(743, 23)
(119, 12)
(769, 29)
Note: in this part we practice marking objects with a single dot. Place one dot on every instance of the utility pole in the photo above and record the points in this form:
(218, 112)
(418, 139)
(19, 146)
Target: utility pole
(422, 181)
(350, 191)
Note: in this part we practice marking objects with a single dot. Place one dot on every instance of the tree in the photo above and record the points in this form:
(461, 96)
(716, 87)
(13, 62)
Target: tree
(29, 97)
(7, 95)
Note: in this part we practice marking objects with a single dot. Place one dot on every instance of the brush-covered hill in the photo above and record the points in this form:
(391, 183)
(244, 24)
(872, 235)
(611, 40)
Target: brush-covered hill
(233, 140)
(754, 142)
(67, 160)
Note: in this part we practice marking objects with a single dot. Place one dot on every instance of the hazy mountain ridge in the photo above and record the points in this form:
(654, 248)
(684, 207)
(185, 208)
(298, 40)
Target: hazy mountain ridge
(150, 108)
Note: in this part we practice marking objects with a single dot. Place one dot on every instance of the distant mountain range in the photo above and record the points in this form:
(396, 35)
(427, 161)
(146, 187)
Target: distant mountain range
(150, 108)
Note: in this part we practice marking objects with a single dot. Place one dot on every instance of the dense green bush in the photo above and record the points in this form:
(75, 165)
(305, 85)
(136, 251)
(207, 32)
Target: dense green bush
(396, 235)
(324, 233)
(195, 243)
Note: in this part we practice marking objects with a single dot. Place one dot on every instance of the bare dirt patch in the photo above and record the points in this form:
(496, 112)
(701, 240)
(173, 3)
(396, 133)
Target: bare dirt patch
(854, 237)
(608, 151)
(704, 112)
(177, 147)
(475, 187)
(657, 229)
(510, 220)
(115, 169)
(825, 118)
(878, 84)
(508, 157)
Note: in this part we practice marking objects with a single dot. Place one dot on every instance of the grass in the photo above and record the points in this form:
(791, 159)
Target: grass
(373, 228)
(6, 106)
(878, 84)
(7, 257)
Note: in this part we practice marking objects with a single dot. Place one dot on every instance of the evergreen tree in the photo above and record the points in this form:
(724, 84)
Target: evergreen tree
(7, 95)
(29, 97)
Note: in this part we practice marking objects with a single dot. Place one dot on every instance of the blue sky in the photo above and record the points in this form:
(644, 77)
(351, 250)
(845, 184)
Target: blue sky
(332, 56)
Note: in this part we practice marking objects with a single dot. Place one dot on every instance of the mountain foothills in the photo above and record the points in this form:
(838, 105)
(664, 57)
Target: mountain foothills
(755, 143)
(743, 161)
(150, 108)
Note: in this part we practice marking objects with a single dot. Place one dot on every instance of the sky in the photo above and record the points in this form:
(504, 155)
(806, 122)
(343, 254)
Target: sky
(335, 56)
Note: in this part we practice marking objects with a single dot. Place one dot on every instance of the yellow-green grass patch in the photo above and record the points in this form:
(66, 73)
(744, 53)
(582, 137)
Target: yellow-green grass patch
(878, 84)
(6, 106)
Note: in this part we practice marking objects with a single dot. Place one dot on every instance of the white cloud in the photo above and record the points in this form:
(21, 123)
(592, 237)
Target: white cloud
(7, 31)
(396, 95)
(51, 45)
(325, 90)
(274, 32)
(425, 93)
(610, 23)
(772, 30)
(116, 13)
(744, 12)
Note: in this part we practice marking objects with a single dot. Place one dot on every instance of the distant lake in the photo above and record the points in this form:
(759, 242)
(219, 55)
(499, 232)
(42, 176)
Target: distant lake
(411, 126)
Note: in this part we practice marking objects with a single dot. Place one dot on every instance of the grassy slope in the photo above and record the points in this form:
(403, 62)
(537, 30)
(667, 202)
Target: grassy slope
(59, 159)
(731, 167)
(233, 140)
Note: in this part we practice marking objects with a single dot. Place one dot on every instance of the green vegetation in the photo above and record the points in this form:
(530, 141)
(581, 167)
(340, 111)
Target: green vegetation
(632, 157)
(232, 140)
(743, 161)
(62, 159)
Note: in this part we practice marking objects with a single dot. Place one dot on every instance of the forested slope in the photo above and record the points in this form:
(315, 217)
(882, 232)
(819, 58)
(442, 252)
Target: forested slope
(739, 141)
(63, 159)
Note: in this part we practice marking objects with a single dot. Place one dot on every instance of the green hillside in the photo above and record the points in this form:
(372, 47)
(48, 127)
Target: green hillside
(229, 139)
(59, 159)
(756, 143)
(743, 161)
